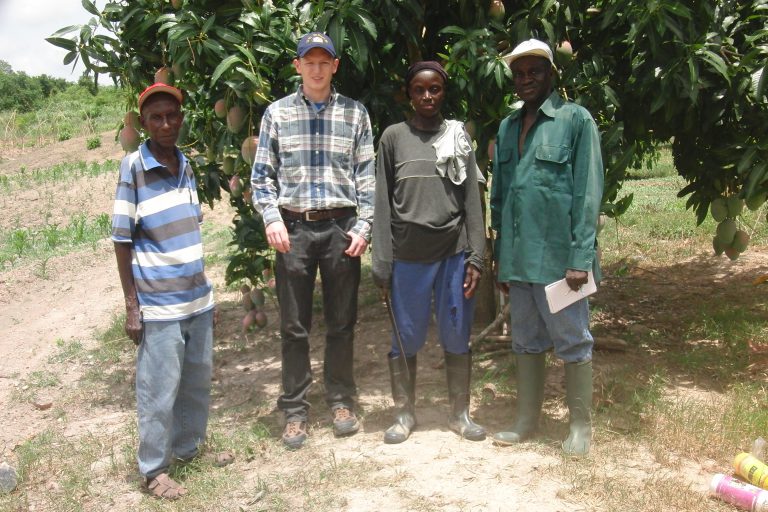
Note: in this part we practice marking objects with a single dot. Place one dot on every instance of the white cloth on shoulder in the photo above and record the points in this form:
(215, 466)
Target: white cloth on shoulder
(452, 149)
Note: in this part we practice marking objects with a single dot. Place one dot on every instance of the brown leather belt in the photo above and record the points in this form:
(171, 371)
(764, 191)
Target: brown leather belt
(318, 215)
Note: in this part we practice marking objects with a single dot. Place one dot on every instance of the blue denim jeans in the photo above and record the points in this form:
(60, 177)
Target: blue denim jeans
(173, 386)
(535, 330)
(413, 288)
(317, 246)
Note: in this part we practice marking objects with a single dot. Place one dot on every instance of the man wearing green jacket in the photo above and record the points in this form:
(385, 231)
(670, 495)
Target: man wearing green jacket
(545, 201)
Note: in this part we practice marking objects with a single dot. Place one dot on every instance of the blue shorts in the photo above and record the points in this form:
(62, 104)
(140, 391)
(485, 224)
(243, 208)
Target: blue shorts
(535, 330)
(414, 288)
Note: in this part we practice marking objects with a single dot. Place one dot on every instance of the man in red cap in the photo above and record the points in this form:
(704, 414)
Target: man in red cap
(168, 299)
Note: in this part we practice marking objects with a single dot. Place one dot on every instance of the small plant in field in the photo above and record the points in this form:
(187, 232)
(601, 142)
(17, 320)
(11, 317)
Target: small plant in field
(93, 142)
(103, 225)
(65, 134)
(20, 241)
(52, 236)
(77, 228)
(42, 269)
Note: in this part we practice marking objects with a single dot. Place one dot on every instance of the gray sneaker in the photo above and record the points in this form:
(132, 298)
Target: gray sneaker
(295, 434)
(344, 422)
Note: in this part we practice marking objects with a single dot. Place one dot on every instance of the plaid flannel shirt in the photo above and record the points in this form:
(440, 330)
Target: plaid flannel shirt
(315, 159)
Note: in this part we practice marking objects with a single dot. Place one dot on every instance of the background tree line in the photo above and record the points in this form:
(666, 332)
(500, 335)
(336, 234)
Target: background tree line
(25, 93)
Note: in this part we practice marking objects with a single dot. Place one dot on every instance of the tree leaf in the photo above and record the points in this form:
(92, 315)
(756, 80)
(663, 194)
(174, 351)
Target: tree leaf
(255, 80)
(761, 84)
(65, 30)
(365, 21)
(360, 48)
(88, 6)
(716, 62)
(457, 31)
(70, 57)
(224, 66)
(61, 42)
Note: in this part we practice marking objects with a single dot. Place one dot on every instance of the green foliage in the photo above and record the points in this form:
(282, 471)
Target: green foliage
(70, 113)
(93, 142)
(650, 73)
(19, 91)
(28, 243)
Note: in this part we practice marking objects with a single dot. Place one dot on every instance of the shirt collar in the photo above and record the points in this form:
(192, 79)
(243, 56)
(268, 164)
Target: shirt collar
(301, 99)
(149, 162)
(548, 108)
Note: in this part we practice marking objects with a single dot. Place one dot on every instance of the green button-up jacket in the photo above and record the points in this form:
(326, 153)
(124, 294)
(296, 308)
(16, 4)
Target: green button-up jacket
(545, 202)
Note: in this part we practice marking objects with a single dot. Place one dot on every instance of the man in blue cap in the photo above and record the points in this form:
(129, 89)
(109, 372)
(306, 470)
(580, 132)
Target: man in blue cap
(313, 184)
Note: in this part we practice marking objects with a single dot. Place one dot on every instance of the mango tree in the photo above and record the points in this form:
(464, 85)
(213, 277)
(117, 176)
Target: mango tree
(689, 74)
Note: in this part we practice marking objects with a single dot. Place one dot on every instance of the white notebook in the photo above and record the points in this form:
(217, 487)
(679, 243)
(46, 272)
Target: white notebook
(560, 295)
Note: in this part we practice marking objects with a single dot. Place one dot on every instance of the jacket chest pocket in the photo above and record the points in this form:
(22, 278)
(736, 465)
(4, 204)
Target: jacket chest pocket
(552, 163)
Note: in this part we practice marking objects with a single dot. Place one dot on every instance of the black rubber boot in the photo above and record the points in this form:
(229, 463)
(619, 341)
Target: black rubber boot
(403, 393)
(530, 396)
(458, 368)
(578, 389)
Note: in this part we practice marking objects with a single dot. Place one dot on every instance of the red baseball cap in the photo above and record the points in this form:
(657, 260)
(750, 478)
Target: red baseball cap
(160, 87)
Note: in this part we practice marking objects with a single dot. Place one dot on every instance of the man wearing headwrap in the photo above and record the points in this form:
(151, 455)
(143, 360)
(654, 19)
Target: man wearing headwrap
(428, 245)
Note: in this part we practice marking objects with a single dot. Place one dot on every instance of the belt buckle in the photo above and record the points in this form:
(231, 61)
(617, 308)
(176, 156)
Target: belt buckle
(308, 214)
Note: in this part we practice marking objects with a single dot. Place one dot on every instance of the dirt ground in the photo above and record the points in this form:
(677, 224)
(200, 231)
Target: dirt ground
(434, 470)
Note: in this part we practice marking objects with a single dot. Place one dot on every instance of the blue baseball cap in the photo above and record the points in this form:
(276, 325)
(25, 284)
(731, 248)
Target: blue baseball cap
(315, 40)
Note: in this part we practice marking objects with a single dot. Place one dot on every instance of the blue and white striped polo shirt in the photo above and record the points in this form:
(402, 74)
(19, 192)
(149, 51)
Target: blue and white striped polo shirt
(160, 215)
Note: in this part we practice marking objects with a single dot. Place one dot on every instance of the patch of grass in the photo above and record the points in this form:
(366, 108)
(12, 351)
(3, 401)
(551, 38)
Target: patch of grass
(27, 389)
(709, 427)
(660, 166)
(619, 489)
(717, 342)
(60, 463)
(216, 242)
(67, 352)
(36, 243)
(112, 360)
(59, 173)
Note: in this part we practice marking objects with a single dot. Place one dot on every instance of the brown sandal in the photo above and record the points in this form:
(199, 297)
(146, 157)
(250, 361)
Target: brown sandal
(163, 486)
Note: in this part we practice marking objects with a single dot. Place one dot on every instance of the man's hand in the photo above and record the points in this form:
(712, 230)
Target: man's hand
(502, 287)
(575, 278)
(357, 245)
(277, 236)
(215, 316)
(133, 327)
(471, 280)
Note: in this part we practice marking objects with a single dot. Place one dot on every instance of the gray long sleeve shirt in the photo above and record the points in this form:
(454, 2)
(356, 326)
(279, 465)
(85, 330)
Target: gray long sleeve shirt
(420, 216)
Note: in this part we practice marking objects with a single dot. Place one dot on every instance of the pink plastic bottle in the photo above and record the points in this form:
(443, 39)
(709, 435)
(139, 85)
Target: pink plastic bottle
(743, 495)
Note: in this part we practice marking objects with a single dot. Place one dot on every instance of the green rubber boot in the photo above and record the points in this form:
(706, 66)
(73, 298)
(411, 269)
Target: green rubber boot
(458, 368)
(404, 394)
(531, 369)
(578, 386)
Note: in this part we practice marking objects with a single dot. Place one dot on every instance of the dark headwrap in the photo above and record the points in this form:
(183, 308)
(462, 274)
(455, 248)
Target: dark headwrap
(421, 66)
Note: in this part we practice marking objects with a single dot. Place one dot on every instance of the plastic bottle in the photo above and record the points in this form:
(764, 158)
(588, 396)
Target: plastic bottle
(751, 469)
(759, 448)
(743, 495)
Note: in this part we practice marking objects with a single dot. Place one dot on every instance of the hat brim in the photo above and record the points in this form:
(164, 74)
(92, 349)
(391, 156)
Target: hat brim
(158, 88)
